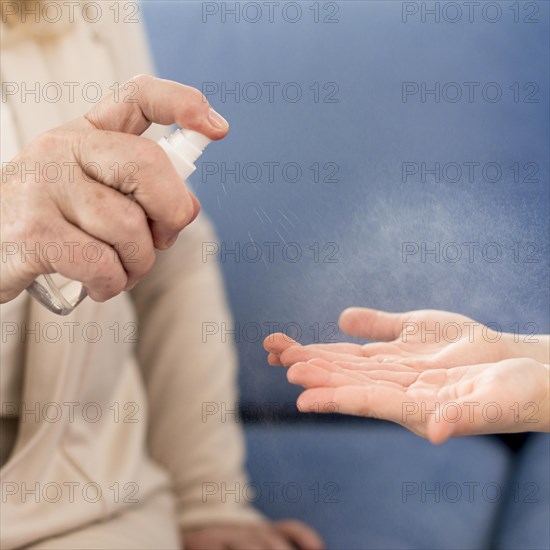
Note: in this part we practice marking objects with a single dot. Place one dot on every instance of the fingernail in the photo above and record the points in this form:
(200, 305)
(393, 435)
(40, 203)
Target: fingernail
(217, 120)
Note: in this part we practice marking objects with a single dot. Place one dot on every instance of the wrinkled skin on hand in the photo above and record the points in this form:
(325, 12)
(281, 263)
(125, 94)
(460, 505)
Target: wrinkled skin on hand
(100, 159)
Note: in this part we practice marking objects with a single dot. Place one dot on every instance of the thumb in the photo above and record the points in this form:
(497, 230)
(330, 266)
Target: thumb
(145, 99)
(439, 430)
(371, 324)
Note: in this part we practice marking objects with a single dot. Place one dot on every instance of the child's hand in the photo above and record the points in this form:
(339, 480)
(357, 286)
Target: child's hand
(437, 373)
(420, 339)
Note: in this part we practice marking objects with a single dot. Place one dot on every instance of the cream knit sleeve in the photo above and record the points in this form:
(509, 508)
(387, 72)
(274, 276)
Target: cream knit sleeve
(190, 381)
(185, 376)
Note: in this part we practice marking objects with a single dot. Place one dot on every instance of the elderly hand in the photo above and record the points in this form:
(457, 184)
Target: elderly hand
(280, 535)
(75, 215)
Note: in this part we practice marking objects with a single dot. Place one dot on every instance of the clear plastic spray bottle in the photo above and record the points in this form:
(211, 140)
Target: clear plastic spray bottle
(183, 148)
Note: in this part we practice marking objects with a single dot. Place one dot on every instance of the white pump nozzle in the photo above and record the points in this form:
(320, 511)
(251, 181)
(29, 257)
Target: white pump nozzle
(200, 141)
(184, 147)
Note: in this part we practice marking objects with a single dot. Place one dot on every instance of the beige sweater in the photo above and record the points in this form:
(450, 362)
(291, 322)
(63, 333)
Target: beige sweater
(150, 394)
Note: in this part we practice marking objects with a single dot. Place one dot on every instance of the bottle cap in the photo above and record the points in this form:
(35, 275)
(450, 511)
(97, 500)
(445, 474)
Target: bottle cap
(188, 143)
(200, 141)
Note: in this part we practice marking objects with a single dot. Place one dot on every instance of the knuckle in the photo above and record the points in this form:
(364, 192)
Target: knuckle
(192, 95)
(197, 105)
(142, 79)
(45, 143)
(134, 221)
(136, 85)
(155, 154)
(197, 97)
(149, 155)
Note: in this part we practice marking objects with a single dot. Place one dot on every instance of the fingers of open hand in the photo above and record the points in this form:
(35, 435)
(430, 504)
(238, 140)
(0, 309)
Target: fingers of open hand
(339, 347)
(371, 324)
(374, 401)
(283, 350)
(277, 342)
(296, 353)
(273, 360)
(318, 372)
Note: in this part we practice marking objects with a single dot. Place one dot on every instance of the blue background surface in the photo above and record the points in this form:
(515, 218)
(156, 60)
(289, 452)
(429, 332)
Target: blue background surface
(368, 213)
(369, 132)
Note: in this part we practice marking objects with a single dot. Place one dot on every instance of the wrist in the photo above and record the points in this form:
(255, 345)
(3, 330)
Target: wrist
(534, 346)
